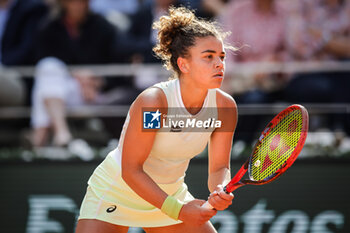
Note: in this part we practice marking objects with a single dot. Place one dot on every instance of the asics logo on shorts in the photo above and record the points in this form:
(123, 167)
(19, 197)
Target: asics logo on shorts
(111, 209)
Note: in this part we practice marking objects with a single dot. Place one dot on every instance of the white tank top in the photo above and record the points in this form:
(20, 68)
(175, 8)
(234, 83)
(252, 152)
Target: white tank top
(172, 151)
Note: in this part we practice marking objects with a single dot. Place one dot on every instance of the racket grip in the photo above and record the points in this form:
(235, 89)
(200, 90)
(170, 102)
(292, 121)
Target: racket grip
(207, 205)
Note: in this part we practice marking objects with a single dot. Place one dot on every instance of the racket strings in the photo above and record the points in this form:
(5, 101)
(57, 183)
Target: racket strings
(276, 147)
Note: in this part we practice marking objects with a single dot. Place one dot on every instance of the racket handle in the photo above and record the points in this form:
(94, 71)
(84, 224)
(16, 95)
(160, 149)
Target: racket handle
(207, 205)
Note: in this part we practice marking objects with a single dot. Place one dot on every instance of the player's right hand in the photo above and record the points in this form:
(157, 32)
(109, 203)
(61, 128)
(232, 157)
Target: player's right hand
(194, 214)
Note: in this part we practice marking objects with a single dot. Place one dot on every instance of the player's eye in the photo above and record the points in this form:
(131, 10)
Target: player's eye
(210, 56)
(222, 58)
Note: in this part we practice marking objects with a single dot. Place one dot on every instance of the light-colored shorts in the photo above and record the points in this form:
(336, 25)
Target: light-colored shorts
(110, 199)
(52, 80)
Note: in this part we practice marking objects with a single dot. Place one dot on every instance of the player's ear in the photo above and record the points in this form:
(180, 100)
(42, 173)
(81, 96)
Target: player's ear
(183, 65)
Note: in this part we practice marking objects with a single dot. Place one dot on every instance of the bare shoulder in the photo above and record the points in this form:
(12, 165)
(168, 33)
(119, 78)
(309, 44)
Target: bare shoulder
(227, 111)
(152, 97)
(224, 100)
(150, 100)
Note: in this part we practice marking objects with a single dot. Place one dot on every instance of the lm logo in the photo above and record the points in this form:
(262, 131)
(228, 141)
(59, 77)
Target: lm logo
(151, 120)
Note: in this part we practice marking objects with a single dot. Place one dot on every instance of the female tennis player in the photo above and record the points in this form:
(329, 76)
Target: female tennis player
(141, 182)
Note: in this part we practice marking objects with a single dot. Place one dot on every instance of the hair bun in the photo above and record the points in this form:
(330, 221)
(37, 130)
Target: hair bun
(181, 17)
(171, 25)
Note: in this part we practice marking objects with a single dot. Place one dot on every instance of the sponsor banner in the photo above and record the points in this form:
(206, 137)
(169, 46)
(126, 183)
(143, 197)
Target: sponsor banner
(311, 197)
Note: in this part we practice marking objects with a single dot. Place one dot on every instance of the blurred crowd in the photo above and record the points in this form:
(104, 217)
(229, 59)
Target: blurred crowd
(54, 34)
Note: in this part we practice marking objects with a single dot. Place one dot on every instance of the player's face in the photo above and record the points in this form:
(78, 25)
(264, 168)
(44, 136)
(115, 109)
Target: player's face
(207, 62)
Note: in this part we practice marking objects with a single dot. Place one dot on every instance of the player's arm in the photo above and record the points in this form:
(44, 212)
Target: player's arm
(136, 148)
(220, 145)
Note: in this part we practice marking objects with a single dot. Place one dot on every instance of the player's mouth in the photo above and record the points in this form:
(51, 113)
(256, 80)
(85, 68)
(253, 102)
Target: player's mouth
(219, 75)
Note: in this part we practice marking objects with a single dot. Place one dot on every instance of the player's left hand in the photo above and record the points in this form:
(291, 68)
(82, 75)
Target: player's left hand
(219, 199)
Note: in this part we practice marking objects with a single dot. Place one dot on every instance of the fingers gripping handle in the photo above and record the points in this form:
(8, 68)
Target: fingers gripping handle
(207, 205)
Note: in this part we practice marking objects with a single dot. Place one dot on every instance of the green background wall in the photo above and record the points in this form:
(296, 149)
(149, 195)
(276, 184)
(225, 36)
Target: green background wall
(312, 197)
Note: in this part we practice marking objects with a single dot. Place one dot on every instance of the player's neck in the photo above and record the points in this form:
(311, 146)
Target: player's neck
(192, 97)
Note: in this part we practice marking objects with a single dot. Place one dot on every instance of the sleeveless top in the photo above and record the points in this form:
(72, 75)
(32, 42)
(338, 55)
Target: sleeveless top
(173, 148)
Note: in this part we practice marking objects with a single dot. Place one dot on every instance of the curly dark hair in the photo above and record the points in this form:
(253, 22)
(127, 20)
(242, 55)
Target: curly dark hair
(178, 31)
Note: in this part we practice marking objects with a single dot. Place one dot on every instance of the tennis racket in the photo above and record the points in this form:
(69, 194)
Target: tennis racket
(276, 150)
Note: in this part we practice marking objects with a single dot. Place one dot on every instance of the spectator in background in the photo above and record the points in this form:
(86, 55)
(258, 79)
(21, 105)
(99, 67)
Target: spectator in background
(116, 12)
(142, 38)
(319, 30)
(141, 33)
(19, 23)
(127, 7)
(78, 36)
(257, 24)
(208, 9)
(258, 29)
(74, 36)
(214, 8)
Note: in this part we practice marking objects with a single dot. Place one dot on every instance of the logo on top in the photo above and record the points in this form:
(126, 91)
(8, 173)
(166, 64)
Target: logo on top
(151, 120)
